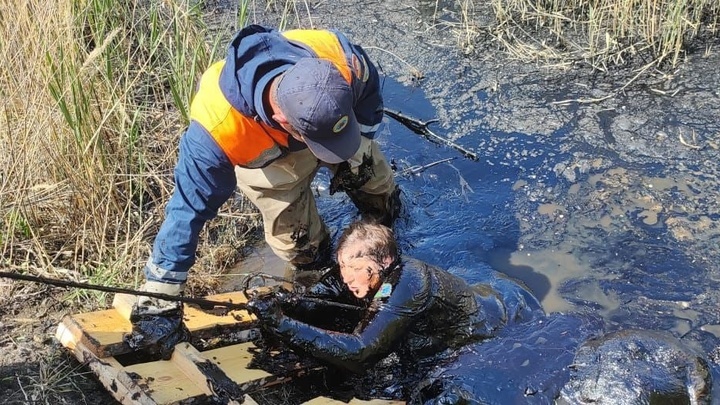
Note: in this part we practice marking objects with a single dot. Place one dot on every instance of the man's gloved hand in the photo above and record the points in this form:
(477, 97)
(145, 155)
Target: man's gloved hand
(157, 324)
(267, 309)
(351, 176)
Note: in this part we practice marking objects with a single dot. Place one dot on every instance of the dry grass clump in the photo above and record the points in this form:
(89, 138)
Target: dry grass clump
(602, 33)
(54, 378)
(95, 96)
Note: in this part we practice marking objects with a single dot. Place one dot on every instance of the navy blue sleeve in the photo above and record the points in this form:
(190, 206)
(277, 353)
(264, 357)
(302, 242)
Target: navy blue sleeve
(366, 86)
(204, 180)
(369, 107)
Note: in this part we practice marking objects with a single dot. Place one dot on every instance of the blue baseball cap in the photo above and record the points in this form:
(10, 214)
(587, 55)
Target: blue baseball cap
(318, 102)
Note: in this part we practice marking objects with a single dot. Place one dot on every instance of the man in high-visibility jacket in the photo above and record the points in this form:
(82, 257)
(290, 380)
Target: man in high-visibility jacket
(279, 107)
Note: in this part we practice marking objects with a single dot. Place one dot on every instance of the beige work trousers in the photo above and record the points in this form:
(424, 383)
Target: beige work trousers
(281, 191)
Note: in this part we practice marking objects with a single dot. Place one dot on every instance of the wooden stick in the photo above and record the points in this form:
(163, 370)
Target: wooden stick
(421, 128)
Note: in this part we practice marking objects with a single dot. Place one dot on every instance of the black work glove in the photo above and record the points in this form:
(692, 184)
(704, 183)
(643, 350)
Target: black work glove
(267, 309)
(345, 180)
(286, 298)
(157, 333)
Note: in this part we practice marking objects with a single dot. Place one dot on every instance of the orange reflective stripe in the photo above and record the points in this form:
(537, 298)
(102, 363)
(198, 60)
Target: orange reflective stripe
(326, 46)
(245, 142)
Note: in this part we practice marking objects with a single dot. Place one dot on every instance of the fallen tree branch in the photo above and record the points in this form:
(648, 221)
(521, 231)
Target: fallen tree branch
(421, 128)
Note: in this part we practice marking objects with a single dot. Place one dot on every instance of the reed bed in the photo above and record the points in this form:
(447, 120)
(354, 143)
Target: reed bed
(96, 94)
(604, 33)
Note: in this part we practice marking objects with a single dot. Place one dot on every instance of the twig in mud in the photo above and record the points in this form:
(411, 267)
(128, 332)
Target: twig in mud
(237, 216)
(689, 145)
(21, 388)
(421, 128)
(665, 93)
(464, 185)
(307, 9)
(640, 72)
(416, 73)
(597, 100)
(582, 100)
(318, 4)
(24, 320)
(417, 169)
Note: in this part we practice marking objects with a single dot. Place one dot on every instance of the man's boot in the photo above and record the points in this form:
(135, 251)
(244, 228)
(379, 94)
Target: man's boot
(157, 324)
(303, 273)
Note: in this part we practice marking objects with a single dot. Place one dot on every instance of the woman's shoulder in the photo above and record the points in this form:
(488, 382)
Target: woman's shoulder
(413, 274)
(413, 263)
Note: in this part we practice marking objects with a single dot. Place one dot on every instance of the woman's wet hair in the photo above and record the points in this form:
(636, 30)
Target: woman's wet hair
(379, 240)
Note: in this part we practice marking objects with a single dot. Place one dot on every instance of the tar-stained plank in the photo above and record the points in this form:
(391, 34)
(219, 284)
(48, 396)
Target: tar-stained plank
(354, 401)
(222, 374)
(102, 331)
(196, 318)
(121, 385)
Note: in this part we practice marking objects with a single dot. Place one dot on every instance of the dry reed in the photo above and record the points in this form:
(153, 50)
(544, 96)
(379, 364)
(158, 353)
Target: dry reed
(601, 33)
(96, 94)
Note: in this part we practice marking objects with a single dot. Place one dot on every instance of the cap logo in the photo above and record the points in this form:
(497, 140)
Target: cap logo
(341, 124)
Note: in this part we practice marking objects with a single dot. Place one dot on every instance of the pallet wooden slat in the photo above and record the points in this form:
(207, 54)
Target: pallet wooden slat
(354, 401)
(96, 338)
(233, 360)
(195, 318)
(102, 331)
(113, 377)
(171, 381)
(164, 382)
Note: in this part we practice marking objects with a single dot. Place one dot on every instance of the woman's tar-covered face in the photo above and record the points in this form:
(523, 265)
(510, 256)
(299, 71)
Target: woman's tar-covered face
(361, 273)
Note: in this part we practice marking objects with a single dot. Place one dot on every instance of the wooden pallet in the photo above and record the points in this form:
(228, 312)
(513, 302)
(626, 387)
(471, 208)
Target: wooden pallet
(191, 374)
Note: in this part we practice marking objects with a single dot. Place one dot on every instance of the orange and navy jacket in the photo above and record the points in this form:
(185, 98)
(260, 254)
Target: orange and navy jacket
(229, 126)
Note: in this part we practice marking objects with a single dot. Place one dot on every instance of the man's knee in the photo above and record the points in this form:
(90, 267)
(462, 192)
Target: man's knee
(308, 265)
(383, 208)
